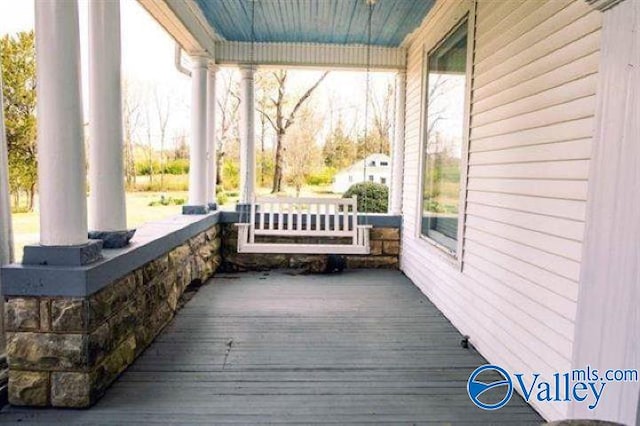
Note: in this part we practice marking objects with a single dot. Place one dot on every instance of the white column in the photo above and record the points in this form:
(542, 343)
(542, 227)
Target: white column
(107, 210)
(198, 149)
(397, 159)
(211, 133)
(61, 155)
(247, 135)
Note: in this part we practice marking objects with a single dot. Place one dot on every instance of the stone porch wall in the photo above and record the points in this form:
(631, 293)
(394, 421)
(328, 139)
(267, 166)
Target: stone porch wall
(385, 253)
(66, 351)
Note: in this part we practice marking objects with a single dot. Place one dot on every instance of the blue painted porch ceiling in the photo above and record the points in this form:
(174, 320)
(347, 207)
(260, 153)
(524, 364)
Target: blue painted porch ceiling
(315, 21)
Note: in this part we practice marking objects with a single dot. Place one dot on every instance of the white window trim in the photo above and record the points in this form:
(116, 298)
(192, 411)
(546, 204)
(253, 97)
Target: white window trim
(457, 257)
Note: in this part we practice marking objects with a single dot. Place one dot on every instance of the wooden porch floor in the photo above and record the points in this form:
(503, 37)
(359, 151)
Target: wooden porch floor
(362, 346)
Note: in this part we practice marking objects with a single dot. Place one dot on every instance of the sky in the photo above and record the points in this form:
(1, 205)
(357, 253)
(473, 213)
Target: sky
(148, 67)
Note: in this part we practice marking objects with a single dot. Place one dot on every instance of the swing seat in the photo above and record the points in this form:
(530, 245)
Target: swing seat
(332, 224)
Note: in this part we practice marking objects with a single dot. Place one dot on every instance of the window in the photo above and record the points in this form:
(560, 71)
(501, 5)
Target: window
(383, 181)
(350, 178)
(446, 90)
(370, 178)
(384, 163)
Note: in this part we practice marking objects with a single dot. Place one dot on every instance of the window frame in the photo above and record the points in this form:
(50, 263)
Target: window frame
(468, 20)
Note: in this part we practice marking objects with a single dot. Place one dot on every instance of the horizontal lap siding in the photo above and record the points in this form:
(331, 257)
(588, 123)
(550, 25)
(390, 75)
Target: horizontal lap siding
(532, 116)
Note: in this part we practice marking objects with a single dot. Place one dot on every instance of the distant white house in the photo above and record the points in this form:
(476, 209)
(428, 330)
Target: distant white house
(374, 168)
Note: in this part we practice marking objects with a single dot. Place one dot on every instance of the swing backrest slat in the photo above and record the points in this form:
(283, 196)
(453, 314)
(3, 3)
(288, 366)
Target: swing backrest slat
(289, 216)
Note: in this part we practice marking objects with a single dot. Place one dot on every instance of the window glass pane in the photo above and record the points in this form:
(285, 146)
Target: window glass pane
(446, 84)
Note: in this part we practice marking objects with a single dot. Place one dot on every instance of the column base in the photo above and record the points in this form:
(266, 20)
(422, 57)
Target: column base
(195, 210)
(63, 255)
(113, 239)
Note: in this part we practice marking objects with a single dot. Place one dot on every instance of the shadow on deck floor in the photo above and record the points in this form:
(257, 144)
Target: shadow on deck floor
(362, 346)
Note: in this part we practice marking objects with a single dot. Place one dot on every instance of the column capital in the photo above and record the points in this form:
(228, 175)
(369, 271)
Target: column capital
(603, 5)
(213, 67)
(402, 73)
(247, 71)
(199, 60)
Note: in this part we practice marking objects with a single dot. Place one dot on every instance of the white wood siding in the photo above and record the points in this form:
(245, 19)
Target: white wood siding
(531, 126)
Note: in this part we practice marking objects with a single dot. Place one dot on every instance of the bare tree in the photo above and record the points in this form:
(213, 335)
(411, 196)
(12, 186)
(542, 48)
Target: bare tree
(382, 109)
(162, 109)
(304, 156)
(131, 119)
(263, 102)
(228, 132)
(149, 147)
(281, 121)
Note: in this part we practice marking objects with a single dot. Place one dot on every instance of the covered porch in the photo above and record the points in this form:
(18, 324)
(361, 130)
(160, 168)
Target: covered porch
(539, 264)
(281, 347)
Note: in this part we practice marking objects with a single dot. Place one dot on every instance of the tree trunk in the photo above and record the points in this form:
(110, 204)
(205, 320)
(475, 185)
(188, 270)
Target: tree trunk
(32, 195)
(278, 169)
(161, 168)
(219, 168)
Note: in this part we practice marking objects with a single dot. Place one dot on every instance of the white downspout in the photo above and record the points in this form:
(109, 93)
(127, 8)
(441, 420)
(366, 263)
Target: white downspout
(178, 61)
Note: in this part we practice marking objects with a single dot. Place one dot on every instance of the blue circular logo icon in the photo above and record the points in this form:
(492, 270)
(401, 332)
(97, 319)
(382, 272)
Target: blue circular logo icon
(476, 387)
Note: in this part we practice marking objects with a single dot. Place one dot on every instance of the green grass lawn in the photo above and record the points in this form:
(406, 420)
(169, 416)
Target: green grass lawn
(26, 226)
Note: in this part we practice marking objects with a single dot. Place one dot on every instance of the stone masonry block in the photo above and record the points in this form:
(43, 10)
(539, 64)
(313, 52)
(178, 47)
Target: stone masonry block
(391, 247)
(28, 388)
(70, 389)
(108, 370)
(46, 351)
(45, 315)
(22, 314)
(179, 255)
(385, 234)
(69, 315)
(197, 241)
(212, 232)
(376, 248)
(106, 302)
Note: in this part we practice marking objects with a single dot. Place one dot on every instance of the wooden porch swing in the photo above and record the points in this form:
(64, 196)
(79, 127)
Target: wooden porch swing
(330, 223)
(328, 219)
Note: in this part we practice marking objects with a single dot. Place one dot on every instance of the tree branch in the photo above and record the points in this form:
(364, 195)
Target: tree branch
(301, 101)
(264, 114)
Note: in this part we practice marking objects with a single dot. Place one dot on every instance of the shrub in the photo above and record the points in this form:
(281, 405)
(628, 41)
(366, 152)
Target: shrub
(372, 197)
(169, 183)
(230, 175)
(178, 166)
(144, 167)
(323, 177)
(167, 201)
(221, 196)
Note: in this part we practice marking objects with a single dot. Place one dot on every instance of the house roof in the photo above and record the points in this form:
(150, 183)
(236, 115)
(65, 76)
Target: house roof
(314, 21)
(359, 165)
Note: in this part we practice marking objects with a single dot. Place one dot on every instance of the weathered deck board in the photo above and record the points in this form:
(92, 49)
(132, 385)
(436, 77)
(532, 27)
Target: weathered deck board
(358, 347)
